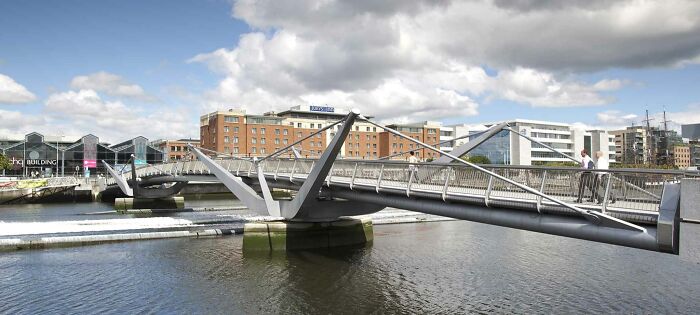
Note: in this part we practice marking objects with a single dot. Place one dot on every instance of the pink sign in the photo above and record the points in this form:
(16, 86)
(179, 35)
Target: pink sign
(89, 163)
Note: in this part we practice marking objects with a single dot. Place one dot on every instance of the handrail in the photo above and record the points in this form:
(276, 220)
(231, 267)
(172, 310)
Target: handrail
(589, 215)
(515, 167)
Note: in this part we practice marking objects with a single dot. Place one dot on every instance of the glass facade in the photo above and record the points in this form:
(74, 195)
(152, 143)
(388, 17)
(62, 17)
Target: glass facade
(34, 157)
(497, 148)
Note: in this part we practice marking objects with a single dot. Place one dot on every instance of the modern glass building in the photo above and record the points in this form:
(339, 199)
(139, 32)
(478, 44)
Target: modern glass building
(497, 148)
(36, 157)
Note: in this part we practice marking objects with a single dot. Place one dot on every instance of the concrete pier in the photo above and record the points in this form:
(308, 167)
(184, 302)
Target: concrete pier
(124, 204)
(286, 235)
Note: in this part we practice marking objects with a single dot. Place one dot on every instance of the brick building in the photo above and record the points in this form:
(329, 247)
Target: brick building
(175, 150)
(235, 132)
(427, 132)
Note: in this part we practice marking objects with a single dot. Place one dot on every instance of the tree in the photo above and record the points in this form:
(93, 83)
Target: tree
(479, 159)
(4, 163)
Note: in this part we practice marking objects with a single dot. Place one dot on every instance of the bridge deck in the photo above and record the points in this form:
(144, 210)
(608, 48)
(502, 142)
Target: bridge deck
(632, 196)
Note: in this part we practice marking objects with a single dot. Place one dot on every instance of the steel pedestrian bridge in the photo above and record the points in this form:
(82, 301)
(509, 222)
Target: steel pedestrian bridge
(635, 208)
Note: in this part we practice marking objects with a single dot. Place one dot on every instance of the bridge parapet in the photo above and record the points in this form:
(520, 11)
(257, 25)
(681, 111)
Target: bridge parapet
(634, 191)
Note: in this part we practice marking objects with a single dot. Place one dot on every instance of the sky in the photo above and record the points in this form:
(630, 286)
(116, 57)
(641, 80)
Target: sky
(119, 69)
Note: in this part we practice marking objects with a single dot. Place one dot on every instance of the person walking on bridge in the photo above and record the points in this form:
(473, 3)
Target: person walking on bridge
(601, 178)
(587, 177)
(412, 167)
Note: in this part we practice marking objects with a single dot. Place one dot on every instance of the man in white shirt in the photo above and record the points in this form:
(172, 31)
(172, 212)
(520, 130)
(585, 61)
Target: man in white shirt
(412, 159)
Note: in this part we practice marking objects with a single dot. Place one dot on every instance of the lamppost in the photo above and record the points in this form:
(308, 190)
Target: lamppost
(60, 134)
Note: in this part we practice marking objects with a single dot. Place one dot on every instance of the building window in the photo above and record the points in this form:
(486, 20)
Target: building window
(235, 129)
(285, 132)
(284, 141)
(262, 150)
(254, 150)
(235, 139)
(277, 140)
(277, 132)
(225, 149)
(254, 130)
(262, 131)
(349, 145)
(367, 128)
(312, 126)
(226, 139)
(357, 128)
(262, 140)
(235, 149)
(298, 125)
(232, 119)
(299, 134)
(357, 137)
(172, 148)
(225, 128)
(253, 140)
(367, 137)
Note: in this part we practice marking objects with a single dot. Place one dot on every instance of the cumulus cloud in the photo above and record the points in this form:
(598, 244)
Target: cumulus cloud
(541, 89)
(416, 53)
(85, 111)
(617, 118)
(14, 119)
(111, 84)
(12, 92)
(550, 35)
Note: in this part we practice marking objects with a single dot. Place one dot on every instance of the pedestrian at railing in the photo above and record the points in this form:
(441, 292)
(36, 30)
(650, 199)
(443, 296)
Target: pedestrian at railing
(602, 178)
(413, 160)
(588, 179)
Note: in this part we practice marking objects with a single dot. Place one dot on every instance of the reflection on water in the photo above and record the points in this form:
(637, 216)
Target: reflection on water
(447, 267)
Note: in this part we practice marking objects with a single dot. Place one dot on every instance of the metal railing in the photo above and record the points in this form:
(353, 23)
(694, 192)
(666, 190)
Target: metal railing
(603, 190)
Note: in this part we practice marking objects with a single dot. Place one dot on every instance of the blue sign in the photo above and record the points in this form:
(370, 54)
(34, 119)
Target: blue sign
(140, 162)
(325, 109)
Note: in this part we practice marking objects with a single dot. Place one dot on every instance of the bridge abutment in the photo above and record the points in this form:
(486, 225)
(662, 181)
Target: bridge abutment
(289, 235)
(124, 204)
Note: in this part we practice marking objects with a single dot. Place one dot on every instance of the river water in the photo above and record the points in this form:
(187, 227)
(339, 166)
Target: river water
(441, 267)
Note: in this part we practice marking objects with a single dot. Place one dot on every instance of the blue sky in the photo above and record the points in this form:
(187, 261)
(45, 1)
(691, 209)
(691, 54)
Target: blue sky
(152, 67)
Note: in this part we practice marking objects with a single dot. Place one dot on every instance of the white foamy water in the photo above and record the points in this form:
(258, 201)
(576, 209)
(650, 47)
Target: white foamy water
(29, 228)
(9, 228)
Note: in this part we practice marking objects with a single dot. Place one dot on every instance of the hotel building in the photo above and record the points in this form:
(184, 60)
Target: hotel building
(235, 132)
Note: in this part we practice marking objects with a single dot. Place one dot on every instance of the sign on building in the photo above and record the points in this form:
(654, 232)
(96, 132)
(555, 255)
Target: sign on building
(325, 109)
